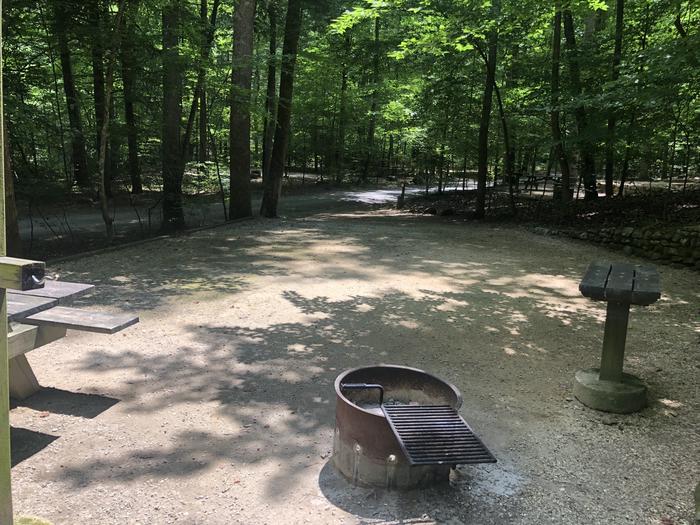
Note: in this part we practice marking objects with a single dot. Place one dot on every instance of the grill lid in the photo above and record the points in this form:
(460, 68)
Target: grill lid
(435, 435)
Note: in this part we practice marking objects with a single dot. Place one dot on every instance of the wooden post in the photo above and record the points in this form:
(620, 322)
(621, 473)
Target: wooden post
(5, 459)
(614, 341)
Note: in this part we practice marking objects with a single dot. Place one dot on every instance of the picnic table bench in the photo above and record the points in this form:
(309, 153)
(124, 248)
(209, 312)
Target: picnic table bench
(608, 388)
(39, 316)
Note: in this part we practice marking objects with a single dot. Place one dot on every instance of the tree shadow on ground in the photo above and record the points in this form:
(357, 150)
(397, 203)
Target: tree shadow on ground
(274, 385)
(486, 322)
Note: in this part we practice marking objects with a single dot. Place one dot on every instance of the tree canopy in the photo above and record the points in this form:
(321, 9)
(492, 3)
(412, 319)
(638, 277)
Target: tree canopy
(425, 90)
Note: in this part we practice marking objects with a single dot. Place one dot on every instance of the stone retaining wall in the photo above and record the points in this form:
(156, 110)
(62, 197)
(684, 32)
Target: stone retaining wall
(679, 246)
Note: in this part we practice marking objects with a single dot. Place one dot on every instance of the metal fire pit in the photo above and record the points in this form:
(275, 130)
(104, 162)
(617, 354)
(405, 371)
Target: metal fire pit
(398, 427)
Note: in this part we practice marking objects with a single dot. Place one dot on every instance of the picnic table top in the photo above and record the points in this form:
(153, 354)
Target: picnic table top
(20, 306)
(60, 290)
(621, 283)
(41, 307)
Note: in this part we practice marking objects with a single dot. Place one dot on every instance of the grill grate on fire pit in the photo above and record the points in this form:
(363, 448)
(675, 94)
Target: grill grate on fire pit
(435, 435)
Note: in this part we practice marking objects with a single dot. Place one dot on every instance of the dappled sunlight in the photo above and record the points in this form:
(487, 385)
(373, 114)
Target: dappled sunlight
(671, 403)
(280, 373)
(244, 331)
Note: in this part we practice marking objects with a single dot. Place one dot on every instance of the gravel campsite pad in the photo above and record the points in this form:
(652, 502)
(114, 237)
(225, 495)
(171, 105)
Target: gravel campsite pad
(218, 408)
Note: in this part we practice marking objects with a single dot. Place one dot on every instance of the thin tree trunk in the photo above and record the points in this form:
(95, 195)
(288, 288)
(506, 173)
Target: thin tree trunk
(509, 153)
(631, 131)
(98, 82)
(342, 117)
(173, 212)
(390, 155)
(273, 184)
(12, 239)
(127, 56)
(202, 152)
(205, 50)
(610, 143)
(554, 115)
(54, 77)
(486, 104)
(375, 102)
(674, 138)
(79, 155)
(239, 134)
(686, 162)
(270, 94)
(114, 146)
(628, 150)
(104, 133)
(587, 164)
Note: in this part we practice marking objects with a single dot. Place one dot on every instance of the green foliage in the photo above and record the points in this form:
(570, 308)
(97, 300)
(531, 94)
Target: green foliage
(420, 113)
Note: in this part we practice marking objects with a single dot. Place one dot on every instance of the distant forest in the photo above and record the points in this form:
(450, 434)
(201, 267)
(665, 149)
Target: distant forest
(177, 97)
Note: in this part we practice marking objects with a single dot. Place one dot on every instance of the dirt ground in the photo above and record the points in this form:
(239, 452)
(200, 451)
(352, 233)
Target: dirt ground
(218, 408)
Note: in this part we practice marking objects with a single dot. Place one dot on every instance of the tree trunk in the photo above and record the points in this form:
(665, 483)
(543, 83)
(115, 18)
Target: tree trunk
(114, 147)
(104, 132)
(342, 117)
(12, 239)
(202, 151)
(239, 135)
(127, 55)
(610, 143)
(509, 156)
(270, 94)
(173, 212)
(80, 168)
(674, 138)
(375, 102)
(587, 157)
(204, 51)
(272, 186)
(56, 97)
(96, 17)
(486, 104)
(554, 115)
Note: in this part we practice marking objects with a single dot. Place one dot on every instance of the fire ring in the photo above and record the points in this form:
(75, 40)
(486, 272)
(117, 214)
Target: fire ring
(398, 427)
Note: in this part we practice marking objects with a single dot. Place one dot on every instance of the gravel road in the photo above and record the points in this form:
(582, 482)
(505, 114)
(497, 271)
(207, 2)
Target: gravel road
(218, 408)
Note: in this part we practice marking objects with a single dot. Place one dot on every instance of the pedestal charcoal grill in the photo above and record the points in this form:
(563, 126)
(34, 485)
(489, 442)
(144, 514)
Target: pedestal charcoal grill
(399, 427)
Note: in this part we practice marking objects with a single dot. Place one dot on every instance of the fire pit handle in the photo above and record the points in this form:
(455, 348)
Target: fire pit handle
(365, 386)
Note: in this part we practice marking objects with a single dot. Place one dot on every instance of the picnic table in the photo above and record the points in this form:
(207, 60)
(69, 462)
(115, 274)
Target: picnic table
(40, 316)
(621, 285)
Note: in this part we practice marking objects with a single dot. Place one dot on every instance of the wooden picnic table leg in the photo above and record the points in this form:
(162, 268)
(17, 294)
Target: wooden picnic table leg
(23, 338)
(614, 340)
(23, 382)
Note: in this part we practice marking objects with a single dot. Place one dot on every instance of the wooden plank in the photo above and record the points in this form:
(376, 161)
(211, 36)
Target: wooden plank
(6, 515)
(21, 274)
(620, 283)
(594, 280)
(21, 340)
(24, 338)
(19, 306)
(647, 285)
(75, 319)
(61, 290)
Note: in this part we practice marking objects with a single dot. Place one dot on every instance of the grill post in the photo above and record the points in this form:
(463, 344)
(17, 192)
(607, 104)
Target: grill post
(614, 340)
